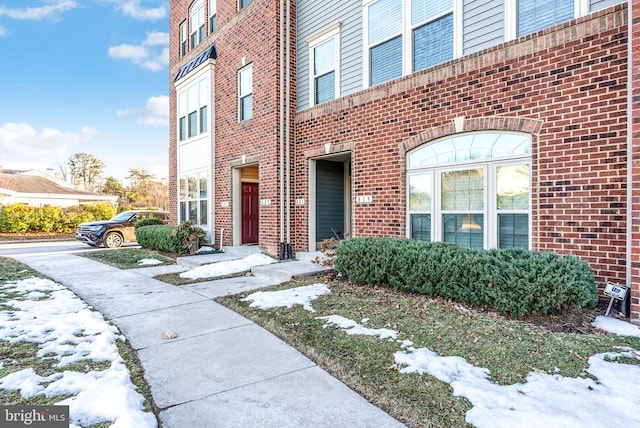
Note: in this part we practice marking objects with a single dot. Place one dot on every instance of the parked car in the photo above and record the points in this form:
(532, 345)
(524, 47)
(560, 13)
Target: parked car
(117, 231)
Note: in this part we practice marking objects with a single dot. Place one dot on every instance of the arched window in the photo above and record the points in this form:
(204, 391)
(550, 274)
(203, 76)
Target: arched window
(471, 189)
(196, 23)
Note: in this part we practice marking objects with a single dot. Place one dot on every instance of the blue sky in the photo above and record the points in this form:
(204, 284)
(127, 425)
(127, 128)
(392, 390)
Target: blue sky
(84, 76)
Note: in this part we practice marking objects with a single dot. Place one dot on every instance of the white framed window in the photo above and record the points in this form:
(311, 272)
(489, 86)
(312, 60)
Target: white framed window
(471, 189)
(193, 194)
(196, 22)
(243, 3)
(193, 111)
(404, 36)
(324, 65)
(534, 15)
(529, 16)
(245, 93)
(213, 17)
(183, 39)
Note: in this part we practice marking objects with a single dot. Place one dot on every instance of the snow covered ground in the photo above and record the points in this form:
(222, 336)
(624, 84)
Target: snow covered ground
(228, 267)
(67, 331)
(611, 399)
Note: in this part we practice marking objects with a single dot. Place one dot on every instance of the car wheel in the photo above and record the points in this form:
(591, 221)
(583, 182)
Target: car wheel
(113, 240)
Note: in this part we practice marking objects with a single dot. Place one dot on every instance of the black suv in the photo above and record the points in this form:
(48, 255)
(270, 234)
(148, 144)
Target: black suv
(115, 232)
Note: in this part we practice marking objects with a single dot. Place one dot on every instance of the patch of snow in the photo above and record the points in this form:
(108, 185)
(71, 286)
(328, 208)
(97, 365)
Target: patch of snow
(66, 329)
(228, 267)
(287, 298)
(616, 326)
(544, 400)
(149, 262)
(351, 327)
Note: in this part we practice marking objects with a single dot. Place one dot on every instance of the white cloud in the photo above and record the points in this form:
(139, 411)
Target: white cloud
(152, 53)
(3, 31)
(24, 147)
(37, 13)
(154, 113)
(133, 9)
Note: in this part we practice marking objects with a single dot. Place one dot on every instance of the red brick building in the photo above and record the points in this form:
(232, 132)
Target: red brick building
(279, 136)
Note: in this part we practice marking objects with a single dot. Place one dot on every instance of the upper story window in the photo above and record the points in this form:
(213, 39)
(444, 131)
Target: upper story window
(398, 43)
(471, 189)
(245, 93)
(196, 22)
(213, 20)
(193, 110)
(243, 3)
(183, 39)
(432, 32)
(535, 15)
(324, 65)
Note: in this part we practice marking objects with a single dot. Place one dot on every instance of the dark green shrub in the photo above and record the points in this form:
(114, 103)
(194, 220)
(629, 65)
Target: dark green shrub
(158, 237)
(148, 222)
(182, 239)
(515, 282)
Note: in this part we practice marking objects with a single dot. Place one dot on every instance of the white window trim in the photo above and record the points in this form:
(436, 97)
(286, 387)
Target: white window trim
(194, 13)
(183, 39)
(247, 67)
(203, 71)
(490, 213)
(213, 11)
(406, 34)
(580, 8)
(197, 174)
(331, 32)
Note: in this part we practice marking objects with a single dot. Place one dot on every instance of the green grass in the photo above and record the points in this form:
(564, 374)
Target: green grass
(22, 355)
(176, 279)
(509, 349)
(126, 258)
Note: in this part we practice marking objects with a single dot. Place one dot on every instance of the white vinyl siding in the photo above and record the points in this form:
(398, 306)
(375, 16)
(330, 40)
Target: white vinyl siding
(325, 66)
(483, 24)
(313, 18)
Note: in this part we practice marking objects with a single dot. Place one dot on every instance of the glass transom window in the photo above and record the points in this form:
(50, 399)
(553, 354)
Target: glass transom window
(471, 189)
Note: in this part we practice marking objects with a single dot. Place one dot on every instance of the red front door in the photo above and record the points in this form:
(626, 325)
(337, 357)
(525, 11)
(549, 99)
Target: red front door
(250, 212)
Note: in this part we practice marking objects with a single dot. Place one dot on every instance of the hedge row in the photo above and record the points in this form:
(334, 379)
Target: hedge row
(514, 282)
(21, 218)
(182, 239)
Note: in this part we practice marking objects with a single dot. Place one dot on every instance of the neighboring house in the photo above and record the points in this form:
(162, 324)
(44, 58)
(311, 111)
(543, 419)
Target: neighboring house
(489, 123)
(37, 189)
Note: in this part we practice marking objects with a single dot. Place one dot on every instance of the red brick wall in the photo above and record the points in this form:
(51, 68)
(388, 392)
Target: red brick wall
(566, 85)
(635, 161)
(252, 34)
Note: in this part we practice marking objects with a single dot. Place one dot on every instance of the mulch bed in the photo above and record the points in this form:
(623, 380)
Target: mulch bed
(35, 236)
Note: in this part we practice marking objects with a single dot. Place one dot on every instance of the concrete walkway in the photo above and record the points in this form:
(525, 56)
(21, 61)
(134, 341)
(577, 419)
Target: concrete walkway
(222, 370)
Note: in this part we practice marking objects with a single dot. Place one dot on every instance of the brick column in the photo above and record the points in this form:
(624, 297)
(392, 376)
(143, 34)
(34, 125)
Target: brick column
(634, 184)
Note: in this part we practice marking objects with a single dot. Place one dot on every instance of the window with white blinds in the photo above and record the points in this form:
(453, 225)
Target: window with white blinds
(535, 15)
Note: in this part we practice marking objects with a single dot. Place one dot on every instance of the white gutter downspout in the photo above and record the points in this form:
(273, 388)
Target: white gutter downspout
(281, 133)
(628, 279)
(288, 128)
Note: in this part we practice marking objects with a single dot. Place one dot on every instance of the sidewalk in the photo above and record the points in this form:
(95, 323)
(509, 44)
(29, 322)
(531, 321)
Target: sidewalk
(222, 370)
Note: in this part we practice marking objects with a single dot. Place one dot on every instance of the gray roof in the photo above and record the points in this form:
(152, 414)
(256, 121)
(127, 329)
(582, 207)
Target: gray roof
(31, 184)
